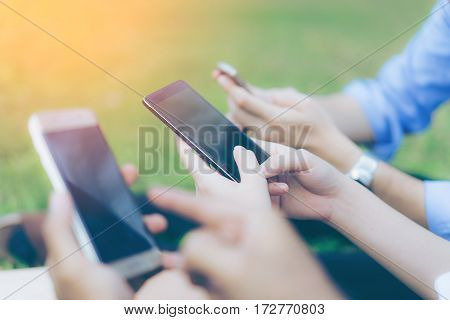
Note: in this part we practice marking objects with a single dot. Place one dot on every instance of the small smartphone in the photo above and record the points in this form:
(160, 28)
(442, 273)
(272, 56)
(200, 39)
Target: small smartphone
(107, 222)
(230, 71)
(202, 127)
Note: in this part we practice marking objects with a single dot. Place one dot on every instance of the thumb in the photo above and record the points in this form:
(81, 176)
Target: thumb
(207, 254)
(57, 230)
(247, 163)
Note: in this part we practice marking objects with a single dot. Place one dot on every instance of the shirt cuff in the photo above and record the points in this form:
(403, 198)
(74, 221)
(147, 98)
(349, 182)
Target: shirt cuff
(437, 207)
(382, 119)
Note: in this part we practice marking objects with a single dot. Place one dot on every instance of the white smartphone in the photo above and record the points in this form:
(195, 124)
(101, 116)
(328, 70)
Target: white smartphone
(232, 73)
(107, 222)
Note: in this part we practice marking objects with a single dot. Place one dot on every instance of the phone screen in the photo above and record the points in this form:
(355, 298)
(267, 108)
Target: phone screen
(203, 125)
(101, 197)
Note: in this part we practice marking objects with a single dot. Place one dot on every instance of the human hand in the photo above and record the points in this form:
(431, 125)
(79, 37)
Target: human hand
(285, 97)
(245, 253)
(253, 188)
(75, 277)
(173, 284)
(303, 124)
(314, 185)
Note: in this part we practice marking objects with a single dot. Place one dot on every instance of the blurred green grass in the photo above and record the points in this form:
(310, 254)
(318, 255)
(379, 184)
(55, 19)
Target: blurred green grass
(147, 44)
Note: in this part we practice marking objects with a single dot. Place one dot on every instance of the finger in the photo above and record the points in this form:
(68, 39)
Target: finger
(247, 163)
(293, 161)
(216, 73)
(259, 92)
(271, 148)
(185, 204)
(170, 285)
(156, 223)
(191, 161)
(210, 212)
(286, 97)
(247, 119)
(247, 101)
(129, 173)
(57, 231)
(207, 254)
(172, 260)
(278, 189)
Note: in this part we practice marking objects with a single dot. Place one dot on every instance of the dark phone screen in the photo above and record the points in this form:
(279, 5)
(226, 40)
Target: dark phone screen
(103, 201)
(204, 125)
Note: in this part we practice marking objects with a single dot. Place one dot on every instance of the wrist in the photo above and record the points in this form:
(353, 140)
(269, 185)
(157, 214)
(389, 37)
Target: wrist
(341, 152)
(348, 202)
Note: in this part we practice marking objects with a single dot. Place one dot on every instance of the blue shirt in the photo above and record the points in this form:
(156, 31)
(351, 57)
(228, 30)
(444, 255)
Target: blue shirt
(402, 98)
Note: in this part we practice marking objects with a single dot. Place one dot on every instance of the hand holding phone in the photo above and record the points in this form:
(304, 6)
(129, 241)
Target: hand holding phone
(107, 222)
(231, 72)
(202, 127)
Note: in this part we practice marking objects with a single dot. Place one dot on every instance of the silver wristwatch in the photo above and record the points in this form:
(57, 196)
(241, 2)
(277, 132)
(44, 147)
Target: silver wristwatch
(364, 170)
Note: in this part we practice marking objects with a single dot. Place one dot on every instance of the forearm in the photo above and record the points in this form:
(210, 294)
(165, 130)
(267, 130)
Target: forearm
(347, 115)
(404, 193)
(399, 190)
(413, 254)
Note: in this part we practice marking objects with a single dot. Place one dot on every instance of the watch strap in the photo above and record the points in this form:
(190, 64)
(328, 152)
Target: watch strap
(364, 170)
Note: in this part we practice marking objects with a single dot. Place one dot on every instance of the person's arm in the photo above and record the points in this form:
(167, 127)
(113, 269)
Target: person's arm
(379, 111)
(321, 137)
(427, 203)
(413, 254)
(406, 91)
(399, 190)
(348, 116)
(400, 100)
(317, 190)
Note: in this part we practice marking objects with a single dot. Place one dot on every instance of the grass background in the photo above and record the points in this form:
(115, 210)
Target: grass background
(147, 44)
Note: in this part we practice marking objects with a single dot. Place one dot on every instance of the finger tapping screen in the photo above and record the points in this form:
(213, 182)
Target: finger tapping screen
(204, 125)
(103, 201)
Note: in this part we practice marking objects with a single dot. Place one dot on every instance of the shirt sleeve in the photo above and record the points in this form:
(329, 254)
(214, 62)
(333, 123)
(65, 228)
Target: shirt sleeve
(410, 86)
(437, 207)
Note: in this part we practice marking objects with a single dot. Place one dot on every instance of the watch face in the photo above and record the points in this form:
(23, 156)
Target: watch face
(364, 170)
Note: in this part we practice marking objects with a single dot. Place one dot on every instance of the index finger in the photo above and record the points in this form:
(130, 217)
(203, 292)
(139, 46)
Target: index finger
(247, 101)
(57, 232)
(202, 210)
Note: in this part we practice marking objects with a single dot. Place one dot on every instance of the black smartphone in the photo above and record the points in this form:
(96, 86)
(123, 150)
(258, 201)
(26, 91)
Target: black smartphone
(107, 222)
(202, 127)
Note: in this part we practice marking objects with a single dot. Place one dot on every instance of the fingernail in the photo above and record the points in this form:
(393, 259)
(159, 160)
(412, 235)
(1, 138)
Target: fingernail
(215, 74)
(283, 187)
